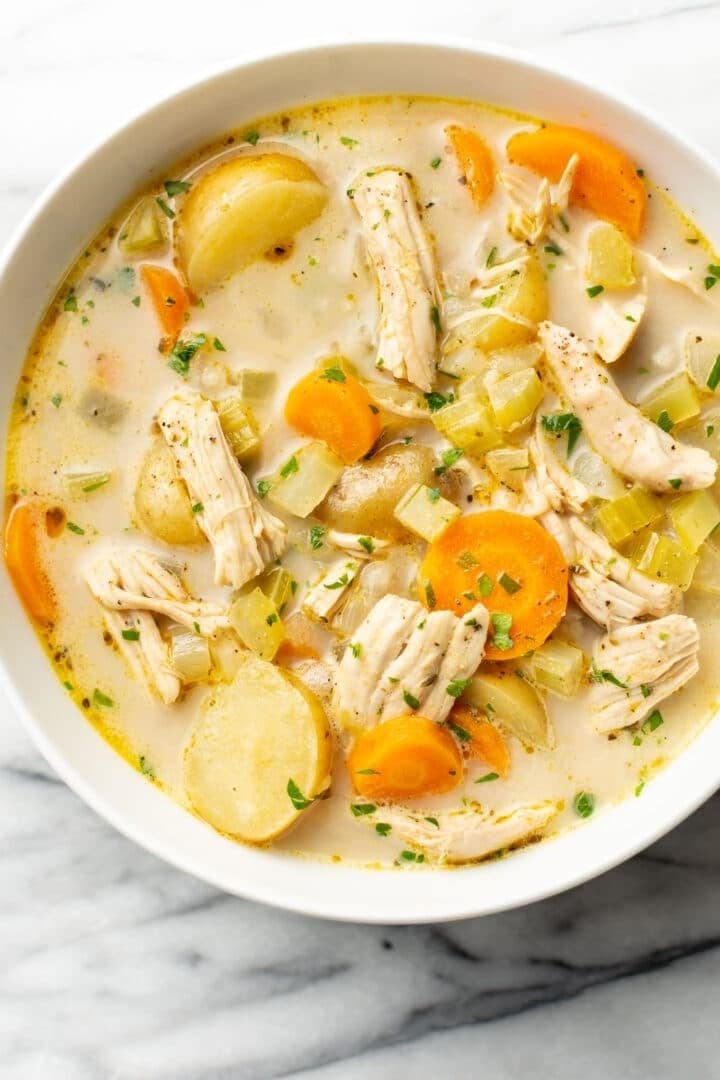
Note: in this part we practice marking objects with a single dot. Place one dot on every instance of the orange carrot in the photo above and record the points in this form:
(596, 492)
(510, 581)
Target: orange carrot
(295, 650)
(404, 758)
(475, 160)
(606, 181)
(22, 557)
(331, 405)
(485, 740)
(168, 295)
(510, 564)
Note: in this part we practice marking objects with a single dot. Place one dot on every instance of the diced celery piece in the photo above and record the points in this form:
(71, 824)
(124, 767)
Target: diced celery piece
(663, 558)
(463, 362)
(303, 481)
(597, 476)
(558, 666)
(707, 573)
(473, 386)
(622, 517)
(189, 656)
(468, 424)
(515, 398)
(239, 427)
(84, 483)
(677, 399)
(609, 258)
(256, 385)
(277, 586)
(424, 511)
(510, 465)
(702, 357)
(694, 516)
(257, 623)
(522, 296)
(145, 230)
(509, 699)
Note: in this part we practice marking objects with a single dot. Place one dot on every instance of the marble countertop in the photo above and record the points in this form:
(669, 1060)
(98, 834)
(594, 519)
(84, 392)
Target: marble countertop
(114, 965)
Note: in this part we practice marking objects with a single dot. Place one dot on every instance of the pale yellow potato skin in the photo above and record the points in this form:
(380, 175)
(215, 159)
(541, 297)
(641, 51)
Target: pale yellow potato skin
(252, 736)
(242, 209)
(162, 503)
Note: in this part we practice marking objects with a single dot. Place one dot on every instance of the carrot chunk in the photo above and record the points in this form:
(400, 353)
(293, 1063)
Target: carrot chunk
(405, 758)
(485, 741)
(511, 565)
(475, 160)
(169, 297)
(606, 181)
(333, 406)
(22, 557)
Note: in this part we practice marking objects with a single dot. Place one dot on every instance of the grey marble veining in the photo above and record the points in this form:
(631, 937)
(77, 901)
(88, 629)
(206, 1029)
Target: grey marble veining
(113, 965)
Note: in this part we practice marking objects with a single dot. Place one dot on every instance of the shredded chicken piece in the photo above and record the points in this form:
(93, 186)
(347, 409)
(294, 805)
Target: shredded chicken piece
(362, 547)
(245, 537)
(631, 444)
(650, 660)
(678, 275)
(402, 256)
(468, 833)
(401, 654)
(609, 588)
(562, 490)
(533, 209)
(132, 585)
(330, 591)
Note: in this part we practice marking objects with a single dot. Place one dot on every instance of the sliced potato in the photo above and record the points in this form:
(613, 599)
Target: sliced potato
(519, 303)
(609, 258)
(364, 498)
(252, 737)
(162, 502)
(510, 700)
(241, 210)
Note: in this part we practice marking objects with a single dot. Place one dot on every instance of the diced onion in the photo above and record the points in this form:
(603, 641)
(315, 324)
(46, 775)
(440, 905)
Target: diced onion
(597, 476)
(190, 656)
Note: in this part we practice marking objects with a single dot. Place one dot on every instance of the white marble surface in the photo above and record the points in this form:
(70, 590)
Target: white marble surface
(113, 965)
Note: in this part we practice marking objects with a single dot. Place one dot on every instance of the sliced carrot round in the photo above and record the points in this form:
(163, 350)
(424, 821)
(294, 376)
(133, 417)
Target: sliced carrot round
(22, 557)
(333, 406)
(476, 162)
(169, 297)
(606, 181)
(405, 758)
(510, 564)
(481, 738)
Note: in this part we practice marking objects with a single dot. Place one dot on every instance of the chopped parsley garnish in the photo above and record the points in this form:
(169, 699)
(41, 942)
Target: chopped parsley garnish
(251, 137)
(197, 508)
(317, 532)
(646, 691)
(70, 301)
(564, 222)
(489, 301)
(411, 856)
(430, 595)
(584, 804)
(599, 675)
(435, 318)
(56, 400)
(639, 788)
(361, 809)
(101, 699)
(136, 301)
(558, 423)
(175, 187)
(713, 378)
(73, 528)
(333, 374)
(262, 487)
(456, 686)
(289, 467)
(271, 619)
(487, 778)
(653, 722)
(663, 421)
(167, 211)
(356, 649)
(435, 163)
(183, 352)
(145, 767)
(433, 494)
(553, 249)
(368, 772)
(485, 584)
(367, 544)
(340, 583)
(217, 344)
(410, 700)
(594, 290)
(509, 584)
(675, 482)
(347, 141)
(448, 458)
(435, 400)
(131, 635)
(459, 732)
(296, 796)
(382, 828)
(501, 624)
(492, 257)
(350, 193)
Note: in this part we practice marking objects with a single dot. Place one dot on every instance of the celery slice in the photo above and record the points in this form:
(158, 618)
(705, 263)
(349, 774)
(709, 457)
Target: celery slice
(707, 573)
(510, 465)
(239, 427)
(676, 401)
(424, 511)
(468, 424)
(702, 357)
(694, 516)
(609, 258)
(145, 230)
(557, 666)
(303, 481)
(515, 397)
(256, 386)
(189, 656)
(257, 623)
(597, 476)
(622, 517)
(277, 586)
(663, 558)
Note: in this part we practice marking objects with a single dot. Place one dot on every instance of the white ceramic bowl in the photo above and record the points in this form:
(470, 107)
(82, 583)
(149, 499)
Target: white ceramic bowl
(47, 243)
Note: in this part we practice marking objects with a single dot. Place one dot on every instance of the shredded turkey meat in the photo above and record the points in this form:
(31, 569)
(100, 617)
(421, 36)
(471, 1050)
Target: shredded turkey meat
(245, 537)
(630, 443)
(403, 658)
(401, 254)
(638, 666)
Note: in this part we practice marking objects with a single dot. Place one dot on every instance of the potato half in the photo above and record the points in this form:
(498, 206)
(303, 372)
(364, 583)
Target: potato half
(162, 502)
(241, 210)
(252, 737)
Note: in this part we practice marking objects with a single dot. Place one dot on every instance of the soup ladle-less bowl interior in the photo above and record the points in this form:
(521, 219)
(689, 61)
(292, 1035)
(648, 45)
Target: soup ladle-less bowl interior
(47, 244)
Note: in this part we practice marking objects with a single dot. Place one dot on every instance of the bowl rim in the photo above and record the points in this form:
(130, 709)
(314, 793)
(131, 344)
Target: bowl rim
(313, 901)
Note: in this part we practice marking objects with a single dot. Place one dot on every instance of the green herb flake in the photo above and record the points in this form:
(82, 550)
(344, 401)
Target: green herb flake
(56, 400)
(564, 222)
(485, 584)
(663, 421)
(251, 137)
(316, 534)
(584, 804)
(218, 345)
(410, 700)
(262, 487)
(436, 401)
(176, 187)
(356, 649)
(183, 352)
(271, 619)
(713, 379)
(639, 789)
(675, 482)
(362, 809)
(347, 141)
(382, 828)
(296, 796)
(509, 584)
(553, 249)
(411, 856)
(557, 423)
(333, 374)
(456, 687)
(69, 687)
(600, 675)
(435, 318)
(435, 163)
(646, 690)
(289, 467)
(710, 282)
(341, 582)
(131, 635)
(71, 303)
(136, 301)
(653, 722)
(197, 508)
(487, 778)
(73, 528)
(430, 595)
(367, 544)
(594, 290)
(167, 211)
(102, 700)
(501, 623)
(492, 257)
(489, 301)
(448, 458)
(433, 494)
(145, 767)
